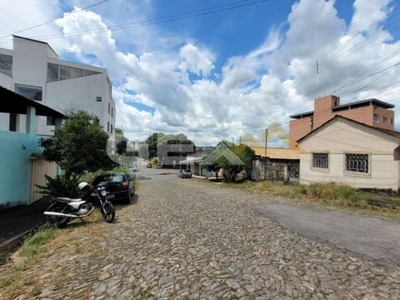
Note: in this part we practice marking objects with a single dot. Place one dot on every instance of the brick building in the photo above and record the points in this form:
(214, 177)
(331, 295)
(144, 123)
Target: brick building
(372, 112)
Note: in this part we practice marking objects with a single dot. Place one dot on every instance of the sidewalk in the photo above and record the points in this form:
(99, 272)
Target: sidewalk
(16, 222)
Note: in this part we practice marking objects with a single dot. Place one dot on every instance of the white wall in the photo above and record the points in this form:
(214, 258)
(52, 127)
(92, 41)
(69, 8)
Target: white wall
(340, 137)
(82, 93)
(383, 175)
(30, 60)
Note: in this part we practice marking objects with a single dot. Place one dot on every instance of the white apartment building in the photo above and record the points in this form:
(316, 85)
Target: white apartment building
(33, 69)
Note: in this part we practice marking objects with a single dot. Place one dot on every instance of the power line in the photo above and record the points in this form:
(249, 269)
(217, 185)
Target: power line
(52, 20)
(303, 77)
(161, 20)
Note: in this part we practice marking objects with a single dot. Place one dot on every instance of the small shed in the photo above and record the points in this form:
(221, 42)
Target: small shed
(276, 164)
(193, 164)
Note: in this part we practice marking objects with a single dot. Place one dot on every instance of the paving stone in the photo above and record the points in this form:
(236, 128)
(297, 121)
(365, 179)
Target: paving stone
(187, 240)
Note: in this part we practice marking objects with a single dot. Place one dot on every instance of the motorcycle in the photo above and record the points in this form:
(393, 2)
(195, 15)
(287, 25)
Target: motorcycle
(63, 210)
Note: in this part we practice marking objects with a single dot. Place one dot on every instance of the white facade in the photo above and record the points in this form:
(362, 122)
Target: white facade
(33, 69)
(347, 152)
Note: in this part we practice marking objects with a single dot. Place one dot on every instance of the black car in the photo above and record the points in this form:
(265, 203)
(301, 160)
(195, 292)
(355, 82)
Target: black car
(185, 173)
(119, 186)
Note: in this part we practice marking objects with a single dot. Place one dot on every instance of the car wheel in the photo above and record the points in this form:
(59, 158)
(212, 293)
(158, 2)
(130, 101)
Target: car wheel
(128, 199)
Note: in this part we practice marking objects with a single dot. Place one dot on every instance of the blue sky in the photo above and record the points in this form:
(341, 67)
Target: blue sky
(217, 70)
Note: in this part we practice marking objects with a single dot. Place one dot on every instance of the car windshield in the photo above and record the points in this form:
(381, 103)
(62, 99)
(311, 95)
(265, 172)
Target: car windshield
(110, 177)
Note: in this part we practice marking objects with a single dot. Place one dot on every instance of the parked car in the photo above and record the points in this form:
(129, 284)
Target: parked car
(185, 173)
(120, 186)
(149, 165)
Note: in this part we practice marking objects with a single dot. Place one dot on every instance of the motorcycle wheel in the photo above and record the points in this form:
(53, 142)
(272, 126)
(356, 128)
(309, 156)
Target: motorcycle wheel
(58, 222)
(108, 213)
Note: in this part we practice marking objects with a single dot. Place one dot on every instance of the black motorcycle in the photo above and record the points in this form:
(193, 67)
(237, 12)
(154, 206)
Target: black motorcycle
(63, 210)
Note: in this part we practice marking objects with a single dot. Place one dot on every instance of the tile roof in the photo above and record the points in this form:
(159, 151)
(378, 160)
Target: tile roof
(277, 153)
(386, 131)
(346, 106)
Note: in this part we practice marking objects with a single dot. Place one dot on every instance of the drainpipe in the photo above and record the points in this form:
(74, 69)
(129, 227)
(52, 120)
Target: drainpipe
(312, 123)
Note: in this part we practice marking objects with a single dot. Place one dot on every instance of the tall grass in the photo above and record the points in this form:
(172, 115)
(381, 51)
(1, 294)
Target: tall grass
(36, 243)
(326, 194)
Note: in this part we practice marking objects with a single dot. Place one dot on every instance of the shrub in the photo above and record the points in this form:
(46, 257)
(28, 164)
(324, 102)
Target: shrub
(60, 186)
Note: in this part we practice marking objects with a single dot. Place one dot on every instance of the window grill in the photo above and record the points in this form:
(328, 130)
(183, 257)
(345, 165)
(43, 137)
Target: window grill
(357, 163)
(320, 160)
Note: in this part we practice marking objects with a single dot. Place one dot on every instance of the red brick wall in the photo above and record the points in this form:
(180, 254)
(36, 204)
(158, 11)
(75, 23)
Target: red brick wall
(323, 113)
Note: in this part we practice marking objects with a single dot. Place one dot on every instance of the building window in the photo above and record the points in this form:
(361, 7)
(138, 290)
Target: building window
(112, 112)
(109, 108)
(6, 64)
(57, 72)
(76, 73)
(358, 163)
(30, 92)
(111, 129)
(384, 119)
(98, 99)
(320, 160)
(52, 72)
(108, 126)
(376, 118)
(51, 121)
(391, 121)
(65, 73)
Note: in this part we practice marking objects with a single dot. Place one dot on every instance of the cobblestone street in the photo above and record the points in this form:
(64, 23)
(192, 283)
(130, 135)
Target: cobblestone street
(184, 240)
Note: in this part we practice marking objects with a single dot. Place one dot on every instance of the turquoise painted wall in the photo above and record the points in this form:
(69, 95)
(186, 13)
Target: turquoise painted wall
(15, 166)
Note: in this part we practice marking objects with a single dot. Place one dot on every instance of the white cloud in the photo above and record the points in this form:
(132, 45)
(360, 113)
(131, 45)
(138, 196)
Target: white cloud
(194, 60)
(21, 17)
(190, 90)
(369, 15)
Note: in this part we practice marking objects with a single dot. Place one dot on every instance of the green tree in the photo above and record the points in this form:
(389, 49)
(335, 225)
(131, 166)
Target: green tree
(121, 142)
(173, 147)
(161, 145)
(125, 152)
(152, 143)
(246, 156)
(79, 145)
(210, 161)
(232, 158)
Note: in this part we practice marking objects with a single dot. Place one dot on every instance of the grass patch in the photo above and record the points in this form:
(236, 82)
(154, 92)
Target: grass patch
(46, 242)
(36, 244)
(33, 247)
(327, 195)
(3, 257)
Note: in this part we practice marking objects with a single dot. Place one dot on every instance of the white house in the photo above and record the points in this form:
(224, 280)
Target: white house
(33, 69)
(348, 152)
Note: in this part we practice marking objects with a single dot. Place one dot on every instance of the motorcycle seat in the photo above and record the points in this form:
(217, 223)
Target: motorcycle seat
(66, 199)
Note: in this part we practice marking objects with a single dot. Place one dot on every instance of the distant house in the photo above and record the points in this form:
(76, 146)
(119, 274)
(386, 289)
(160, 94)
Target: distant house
(21, 165)
(372, 112)
(349, 152)
(192, 163)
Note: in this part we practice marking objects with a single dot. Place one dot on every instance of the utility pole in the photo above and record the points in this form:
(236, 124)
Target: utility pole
(265, 154)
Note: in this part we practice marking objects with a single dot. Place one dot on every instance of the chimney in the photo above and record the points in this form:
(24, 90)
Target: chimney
(324, 105)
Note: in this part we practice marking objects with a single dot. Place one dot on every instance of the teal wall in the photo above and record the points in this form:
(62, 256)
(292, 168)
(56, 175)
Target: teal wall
(15, 166)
